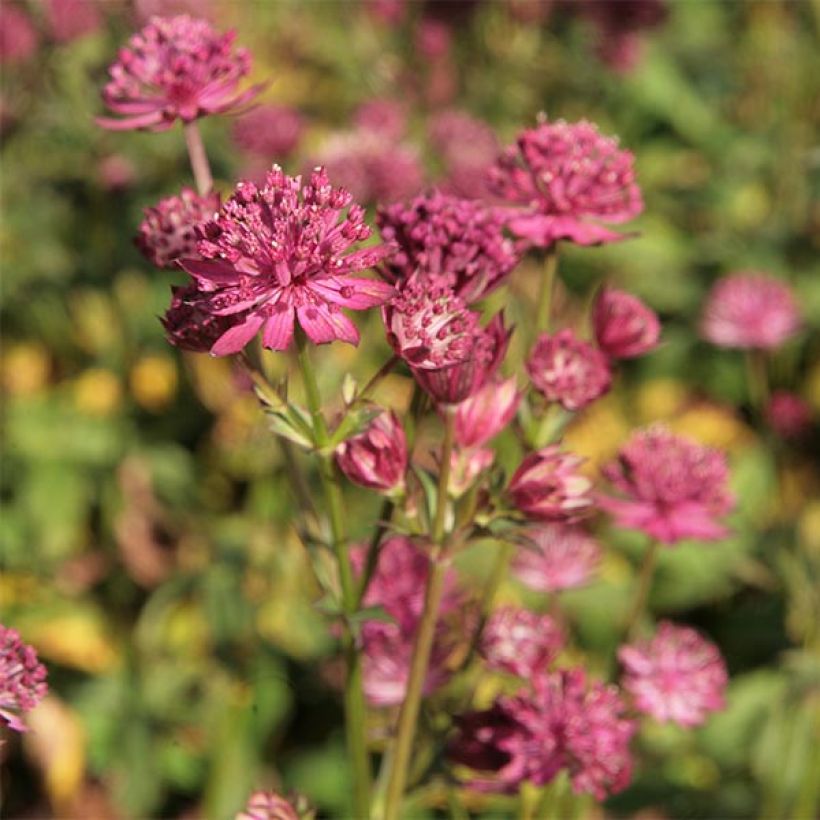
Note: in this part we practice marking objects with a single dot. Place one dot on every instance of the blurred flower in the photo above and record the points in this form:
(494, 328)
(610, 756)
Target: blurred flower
(272, 132)
(167, 233)
(676, 676)
(70, 19)
(146, 9)
(547, 486)
(562, 557)
(377, 457)
(116, 172)
(22, 679)
(624, 326)
(675, 488)
(566, 178)
(175, 68)
(388, 12)
(455, 240)
(562, 722)
(485, 413)
(18, 37)
(97, 391)
(25, 368)
(750, 310)
(275, 254)
(189, 324)
(788, 414)
(382, 116)
(153, 381)
(271, 806)
(433, 39)
(568, 370)
(520, 642)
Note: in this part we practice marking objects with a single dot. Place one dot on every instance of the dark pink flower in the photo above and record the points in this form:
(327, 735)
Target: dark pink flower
(69, 19)
(487, 412)
(22, 679)
(624, 326)
(168, 231)
(387, 12)
(566, 179)
(520, 642)
(561, 723)
(750, 310)
(268, 806)
(271, 132)
(18, 37)
(382, 116)
(674, 488)
(276, 253)
(377, 457)
(788, 414)
(455, 240)
(188, 323)
(175, 68)
(568, 370)
(676, 676)
(433, 39)
(547, 486)
(561, 557)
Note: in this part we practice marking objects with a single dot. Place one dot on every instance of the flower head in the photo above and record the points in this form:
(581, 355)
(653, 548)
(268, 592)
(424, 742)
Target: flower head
(548, 487)
(377, 457)
(168, 231)
(382, 116)
(69, 19)
(566, 178)
(175, 68)
(18, 37)
(674, 488)
(188, 323)
(276, 254)
(520, 642)
(269, 131)
(22, 679)
(624, 326)
(788, 414)
(750, 310)
(455, 240)
(485, 413)
(272, 806)
(676, 676)
(568, 370)
(562, 557)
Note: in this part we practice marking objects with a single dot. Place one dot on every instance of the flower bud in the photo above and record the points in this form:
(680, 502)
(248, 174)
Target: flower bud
(624, 326)
(486, 413)
(377, 457)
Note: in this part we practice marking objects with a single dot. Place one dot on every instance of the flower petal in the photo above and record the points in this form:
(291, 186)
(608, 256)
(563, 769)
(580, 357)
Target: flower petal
(278, 332)
(233, 340)
(353, 292)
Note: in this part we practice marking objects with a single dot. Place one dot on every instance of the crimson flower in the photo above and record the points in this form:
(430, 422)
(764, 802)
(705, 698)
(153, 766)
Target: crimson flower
(377, 457)
(624, 326)
(22, 679)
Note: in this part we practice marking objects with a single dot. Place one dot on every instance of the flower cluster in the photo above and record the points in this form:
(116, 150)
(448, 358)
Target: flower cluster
(22, 679)
(520, 642)
(566, 179)
(561, 557)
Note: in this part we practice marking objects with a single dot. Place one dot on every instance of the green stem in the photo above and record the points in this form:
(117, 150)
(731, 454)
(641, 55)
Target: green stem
(408, 716)
(545, 290)
(385, 514)
(644, 584)
(355, 710)
(758, 380)
(199, 159)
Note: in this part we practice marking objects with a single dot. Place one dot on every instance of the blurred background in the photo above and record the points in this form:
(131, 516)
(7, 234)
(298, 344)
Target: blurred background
(145, 532)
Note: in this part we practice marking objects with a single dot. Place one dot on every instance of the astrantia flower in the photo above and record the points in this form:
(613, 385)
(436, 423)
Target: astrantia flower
(567, 178)
(276, 254)
(69, 19)
(382, 116)
(788, 414)
(561, 723)
(466, 466)
(188, 323)
(168, 231)
(750, 310)
(444, 236)
(269, 131)
(175, 68)
(272, 806)
(568, 370)
(672, 487)
(22, 679)
(487, 412)
(624, 326)
(520, 642)
(676, 676)
(18, 37)
(377, 457)
(547, 486)
(561, 557)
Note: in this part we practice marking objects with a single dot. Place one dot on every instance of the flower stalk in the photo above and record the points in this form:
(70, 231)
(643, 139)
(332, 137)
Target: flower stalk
(199, 158)
(546, 288)
(650, 559)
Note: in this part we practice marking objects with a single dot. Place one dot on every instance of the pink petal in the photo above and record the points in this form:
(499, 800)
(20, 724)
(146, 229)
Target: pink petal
(233, 340)
(316, 323)
(366, 293)
(150, 119)
(278, 332)
(211, 270)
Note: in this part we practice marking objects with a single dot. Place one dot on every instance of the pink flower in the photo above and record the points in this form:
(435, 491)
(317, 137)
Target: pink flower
(466, 466)
(22, 679)
(168, 231)
(568, 370)
(455, 240)
(562, 723)
(485, 413)
(269, 131)
(116, 172)
(563, 557)
(276, 254)
(676, 676)
(548, 487)
(566, 178)
(188, 323)
(788, 414)
(175, 68)
(750, 310)
(382, 116)
(624, 326)
(268, 806)
(18, 37)
(70, 19)
(520, 642)
(674, 488)
(377, 457)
